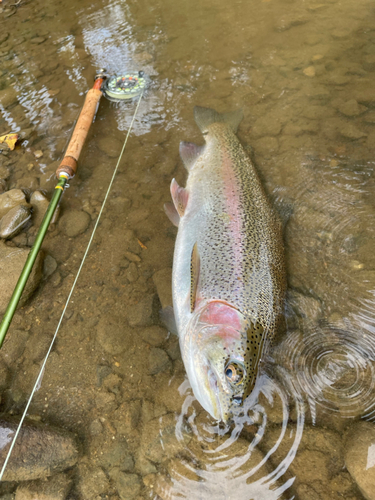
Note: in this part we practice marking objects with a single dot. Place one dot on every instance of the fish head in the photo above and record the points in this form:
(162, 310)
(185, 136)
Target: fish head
(221, 357)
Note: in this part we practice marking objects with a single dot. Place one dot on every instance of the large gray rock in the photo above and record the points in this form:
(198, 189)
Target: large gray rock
(12, 261)
(40, 450)
(360, 457)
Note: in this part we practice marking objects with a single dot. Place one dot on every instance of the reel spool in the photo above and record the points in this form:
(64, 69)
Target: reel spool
(123, 87)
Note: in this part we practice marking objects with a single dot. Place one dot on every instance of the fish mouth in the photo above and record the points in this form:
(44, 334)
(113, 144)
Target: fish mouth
(218, 411)
(215, 400)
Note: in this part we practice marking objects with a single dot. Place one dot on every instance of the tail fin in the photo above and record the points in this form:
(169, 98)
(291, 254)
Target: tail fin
(205, 117)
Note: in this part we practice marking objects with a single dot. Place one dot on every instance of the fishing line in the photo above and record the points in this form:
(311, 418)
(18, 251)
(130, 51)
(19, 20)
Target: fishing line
(40, 375)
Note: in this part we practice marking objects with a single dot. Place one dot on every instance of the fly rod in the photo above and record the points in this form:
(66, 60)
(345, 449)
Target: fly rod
(115, 88)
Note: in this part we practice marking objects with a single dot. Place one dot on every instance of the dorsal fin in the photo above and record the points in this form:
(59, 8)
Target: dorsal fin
(189, 153)
(172, 213)
(205, 117)
(180, 197)
(194, 276)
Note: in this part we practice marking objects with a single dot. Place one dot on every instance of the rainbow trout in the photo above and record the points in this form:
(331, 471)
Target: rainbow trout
(228, 280)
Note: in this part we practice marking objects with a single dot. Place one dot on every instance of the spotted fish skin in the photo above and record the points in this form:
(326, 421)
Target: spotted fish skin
(239, 293)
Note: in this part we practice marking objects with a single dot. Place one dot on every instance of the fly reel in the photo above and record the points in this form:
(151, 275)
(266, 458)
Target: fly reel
(123, 87)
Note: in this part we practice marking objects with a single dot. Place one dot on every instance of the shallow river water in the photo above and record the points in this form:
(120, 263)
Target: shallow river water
(303, 73)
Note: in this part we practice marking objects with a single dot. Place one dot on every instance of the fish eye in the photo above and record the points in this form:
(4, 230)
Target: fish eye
(234, 373)
(237, 400)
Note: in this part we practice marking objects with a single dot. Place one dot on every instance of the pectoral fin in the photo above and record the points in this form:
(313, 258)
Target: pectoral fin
(180, 197)
(167, 317)
(194, 276)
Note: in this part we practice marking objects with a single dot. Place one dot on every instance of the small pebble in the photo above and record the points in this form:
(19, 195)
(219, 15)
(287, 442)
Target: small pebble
(158, 361)
(309, 71)
(49, 265)
(140, 314)
(38, 154)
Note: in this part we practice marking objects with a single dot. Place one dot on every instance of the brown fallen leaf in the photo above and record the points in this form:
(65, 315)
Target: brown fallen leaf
(141, 244)
(9, 139)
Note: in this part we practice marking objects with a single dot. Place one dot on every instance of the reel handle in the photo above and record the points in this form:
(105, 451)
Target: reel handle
(68, 166)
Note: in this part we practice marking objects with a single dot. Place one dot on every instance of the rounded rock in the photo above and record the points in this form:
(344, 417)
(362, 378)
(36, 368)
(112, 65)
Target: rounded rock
(360, 457)
(12, 261)
(40, 450)
(11, 199)
(113, 334)
(74, 222)
(14, 221)
(128, 485)
(55, 488)
(40, 204)
(158, 361)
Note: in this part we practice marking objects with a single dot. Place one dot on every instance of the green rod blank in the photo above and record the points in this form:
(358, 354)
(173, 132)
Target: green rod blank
(27, 268)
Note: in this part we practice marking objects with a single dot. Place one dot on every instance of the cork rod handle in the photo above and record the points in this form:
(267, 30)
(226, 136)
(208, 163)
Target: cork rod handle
(85, 119)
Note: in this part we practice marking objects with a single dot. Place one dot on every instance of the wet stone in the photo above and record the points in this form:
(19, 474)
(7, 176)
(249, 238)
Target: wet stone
(110, 146)
(96, 427)
(360, 457)
(140, 314)
(266, 146)
(14, 221)
(92, 481)
(163, 282)
(38, 40)
(12, 261)
(4, 172)
(74, 222)
(131, 273)
(55, 488)
(117, 455)
(159, 441)
(49, 265)
(8, 97)
(3, 186)
(128, 485)
(14, 346)
(11, 199)
(39, 452)
(113, 334)
(154, 335)
(40, 204)
(350, 131)
(369, 117)
(351, 108)
(127, 417)
(158, 361)
(265, 126)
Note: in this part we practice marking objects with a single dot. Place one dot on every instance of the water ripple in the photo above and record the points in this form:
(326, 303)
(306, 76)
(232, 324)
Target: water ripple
(335, 368)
